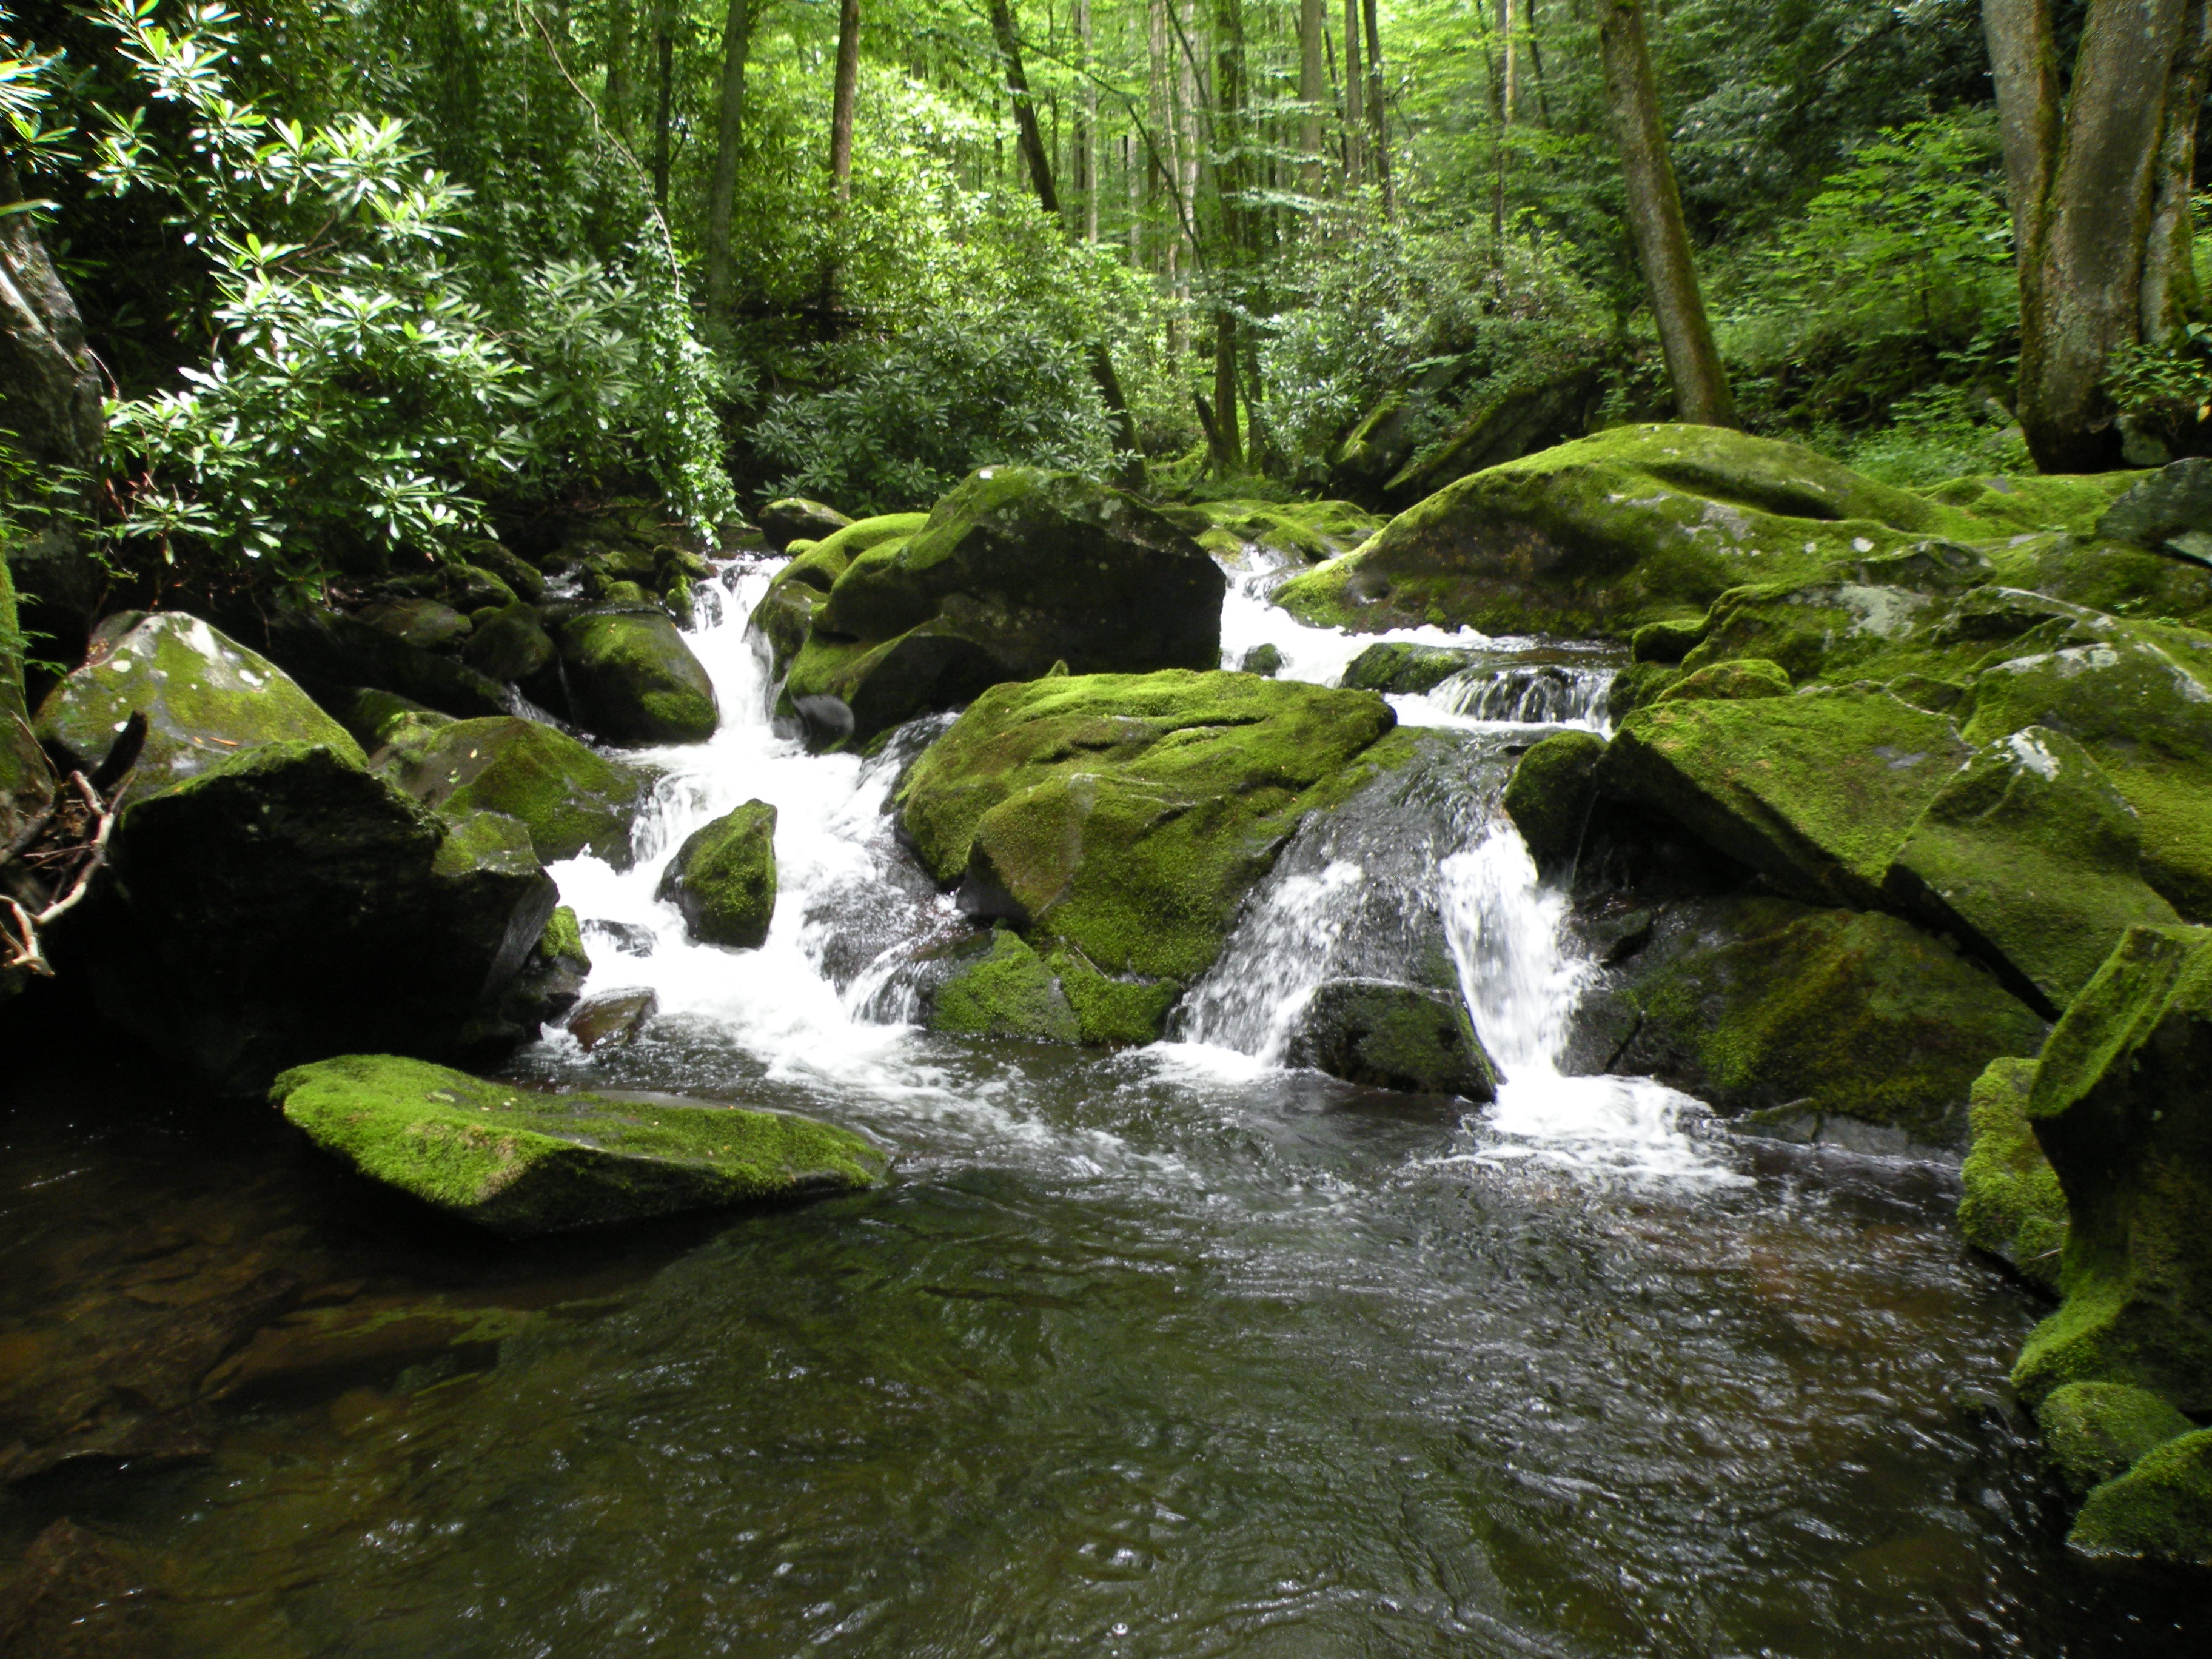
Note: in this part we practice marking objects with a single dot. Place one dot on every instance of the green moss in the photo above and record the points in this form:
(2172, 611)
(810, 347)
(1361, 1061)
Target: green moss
(2011, 1205)
(385, 719)
(1395, 667)
(1549, 795)
(723, 878)
(820, 563)
(1637, 684)
(2097, 1431)
(1110, 1010)
(2025, 504)
(1006, 991)
(1128, 815)
(2159, 1514)
(573, 801)
(633, 680)
(1603, 535)
(1391, 1036)
(1816, 792)
(521, 1163)
(485, 842)
(2122, 1105)
(206, 699)
(2106, 575)
(562, 941)
(1749, 677)
(1666, 641)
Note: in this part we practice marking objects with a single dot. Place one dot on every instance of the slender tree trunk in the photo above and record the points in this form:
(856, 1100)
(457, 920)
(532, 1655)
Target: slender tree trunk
(1313, 90)
(1355, 116)
(1655, 219)
(1509, 95)
(1535, 58)
(2085, 186)
(1087, 140)
(844, 91)
(729, 128)
(1509, 101)
(664, 50)
(2171, 296)
(1228, 188)
(618, 50)
(1378, 113)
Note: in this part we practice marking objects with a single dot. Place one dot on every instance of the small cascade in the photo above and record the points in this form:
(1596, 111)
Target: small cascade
(1529, 694)
(1285, 948)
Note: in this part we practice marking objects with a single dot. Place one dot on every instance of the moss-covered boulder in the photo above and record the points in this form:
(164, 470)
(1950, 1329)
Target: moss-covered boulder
(2146, 717)
(1603, 535)
(573, 800)
(723, 878)
(1303, 532)
(1394, 1036)
(2024, 503)
(995, 985)
(631, 678)
(422, 623)
(794, 518)
(289, 903)
(1765, 1007)
(2031, 858)
(786, 610)
(2010, 1203)
(1725, 682)
(1398, 667)
(520, 1162)
(510, 644)
(2157, 1516)
(207, 700)
(2172, 506)
(326, 650)
(2122, 1103)
(1550, 793)
(2095, 1431)
(1127, 816)
(1815, 792)
(1014, 570)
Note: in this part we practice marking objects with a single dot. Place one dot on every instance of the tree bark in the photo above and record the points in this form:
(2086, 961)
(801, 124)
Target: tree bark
(1086, 125)
(1655, 219)
(845, 90)
(618, 48)
(663, 48)
(729, 129)
(1313, 91)
(2170, 294)
(1355, 118)
(1378, 114)
(1228, 190)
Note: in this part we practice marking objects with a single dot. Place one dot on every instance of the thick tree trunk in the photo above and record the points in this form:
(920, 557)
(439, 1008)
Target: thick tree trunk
(2170, 294)
(1655, 219)
(1313, 91)
(729, 130)
(843, 92)
(1228, 451)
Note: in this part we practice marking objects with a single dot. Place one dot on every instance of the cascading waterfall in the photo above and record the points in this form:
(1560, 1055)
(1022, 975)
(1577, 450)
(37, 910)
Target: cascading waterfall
(1539, 694)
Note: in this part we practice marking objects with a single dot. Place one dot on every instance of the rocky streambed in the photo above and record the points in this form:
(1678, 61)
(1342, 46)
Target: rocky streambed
(1445, 1138)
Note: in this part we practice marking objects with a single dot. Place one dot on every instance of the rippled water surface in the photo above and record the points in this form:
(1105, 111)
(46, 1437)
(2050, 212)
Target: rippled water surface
(1171, 1352)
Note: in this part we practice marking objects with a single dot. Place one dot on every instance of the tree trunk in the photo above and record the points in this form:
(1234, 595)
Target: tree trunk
(1086, 125)
(1509, 98)
(618, 92)
(2171, 296)
(845, 90)
(1655, 219)
(1228, 190)
(663, 48)
(1378, 113)
(1228, 453)
(1355, 118)
(2085, 187)
(729, 128)
(1313, 90)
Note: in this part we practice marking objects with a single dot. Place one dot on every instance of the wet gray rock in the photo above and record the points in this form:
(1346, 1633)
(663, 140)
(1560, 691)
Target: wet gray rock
(1394, 1036)
(612, 1019)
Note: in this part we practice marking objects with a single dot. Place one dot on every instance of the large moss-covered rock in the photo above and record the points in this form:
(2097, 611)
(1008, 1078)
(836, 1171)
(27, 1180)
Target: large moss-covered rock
(997, 986)
(786, 610)
(723, 878)
(2011, 1203)
(520, 1162)
(2139, 705)
(1550, 795)
(1014, 570)
(1128, 815)
(2031, 858)
(1728, 682)
(511, 644)
(1767, 1007)
(1398, 666)
(2122, 1104)
(324, 650)
(2097, 1431)
(207, 700)
(631, 678)
(1603, 535)
(2019, 504)
(2158, 1516)
(794, 518)
(573, 800)
(1394, 1036)
(289, 903)
(1815, 792)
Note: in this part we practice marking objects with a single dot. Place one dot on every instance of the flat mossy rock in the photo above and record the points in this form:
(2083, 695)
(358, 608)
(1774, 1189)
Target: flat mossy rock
(1394, 1036)
(1603, 535)
(1304, 532)
(2122, 1104)
(207, 700)
(573, 800)
(2031, 859)
(520, 1163)
(723, 878)
(2095, 1431)
(795, 518)
(290, 903)
(1014, 570)
(2010, 1203)
(632, 679)
(1127, 816)
(1815, 792)
(1550, 793)
(2023, 504)
(2157, 1516)
(997, 986)
(1398, 667)
(2145, 716)
(1871, 619)
(1723, 682)
(1765, 1006)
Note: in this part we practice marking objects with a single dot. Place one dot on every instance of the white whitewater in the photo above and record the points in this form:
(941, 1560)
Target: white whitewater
(813, 1004)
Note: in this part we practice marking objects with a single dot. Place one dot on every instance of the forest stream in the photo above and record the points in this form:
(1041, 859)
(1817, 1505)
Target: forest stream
(1173, 1351)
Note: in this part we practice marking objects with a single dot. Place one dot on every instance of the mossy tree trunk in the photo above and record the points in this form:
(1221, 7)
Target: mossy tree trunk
(2099, 179)
(1655, 219)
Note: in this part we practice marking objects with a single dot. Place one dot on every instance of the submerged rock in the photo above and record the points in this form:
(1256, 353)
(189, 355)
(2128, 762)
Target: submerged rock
(631, 678)
(723, 878)
(520, 1163)
(207, 700)
(1127, 816)
(2122, 1104)
(573, 800)
(1394, 1036)
(2011, 1203)
(1014, 570)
